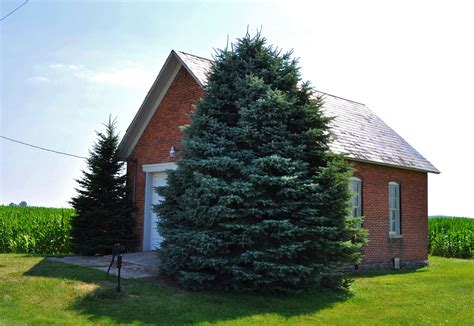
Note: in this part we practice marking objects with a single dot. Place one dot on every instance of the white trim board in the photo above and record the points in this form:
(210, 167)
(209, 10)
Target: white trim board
(147, 212)
(158, 167)
(150, 171)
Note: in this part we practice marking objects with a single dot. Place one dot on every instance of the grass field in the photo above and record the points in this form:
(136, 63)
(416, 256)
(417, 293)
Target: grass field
(36, 291)
(38, 230)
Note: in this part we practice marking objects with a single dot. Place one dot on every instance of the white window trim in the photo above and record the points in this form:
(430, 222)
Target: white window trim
(394, 233)
(359, 194)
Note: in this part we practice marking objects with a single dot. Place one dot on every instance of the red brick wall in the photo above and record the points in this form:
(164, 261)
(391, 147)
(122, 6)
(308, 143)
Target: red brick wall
(162, 132)
(413, 245)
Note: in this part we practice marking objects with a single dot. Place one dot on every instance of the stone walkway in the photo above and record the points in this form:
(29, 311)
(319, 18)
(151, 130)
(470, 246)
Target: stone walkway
(134, 265)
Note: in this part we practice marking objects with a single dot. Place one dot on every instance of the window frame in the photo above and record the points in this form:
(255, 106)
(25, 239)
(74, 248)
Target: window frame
(357, 193)
(394, 209)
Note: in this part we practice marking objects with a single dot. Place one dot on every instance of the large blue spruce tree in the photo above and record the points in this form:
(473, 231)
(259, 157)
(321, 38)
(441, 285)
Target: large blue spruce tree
(257, 201)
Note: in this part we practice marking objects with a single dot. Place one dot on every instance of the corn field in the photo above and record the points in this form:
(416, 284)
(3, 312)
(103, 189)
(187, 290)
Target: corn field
(37, 230)
(451, 237)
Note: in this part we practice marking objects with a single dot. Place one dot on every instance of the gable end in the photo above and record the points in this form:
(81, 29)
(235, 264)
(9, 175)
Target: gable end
(151, 102)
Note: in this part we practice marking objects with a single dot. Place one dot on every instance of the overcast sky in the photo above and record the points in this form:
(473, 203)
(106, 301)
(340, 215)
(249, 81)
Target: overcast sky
(67, 65)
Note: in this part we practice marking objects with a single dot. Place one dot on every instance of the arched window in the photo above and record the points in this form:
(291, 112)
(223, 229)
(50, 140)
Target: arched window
(355, 186)
(394, 208)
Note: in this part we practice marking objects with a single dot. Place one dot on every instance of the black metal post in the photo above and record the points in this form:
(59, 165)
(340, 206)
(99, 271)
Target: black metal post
(116, 249)
(119, 267)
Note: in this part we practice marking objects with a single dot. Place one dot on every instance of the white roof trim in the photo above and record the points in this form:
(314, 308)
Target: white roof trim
(351, 158)
(150, 104)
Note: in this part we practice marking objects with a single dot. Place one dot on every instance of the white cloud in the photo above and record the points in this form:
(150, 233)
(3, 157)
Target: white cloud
(128, 77)
(76, 67)
(61, 66)
(56, 66)
(38, 79)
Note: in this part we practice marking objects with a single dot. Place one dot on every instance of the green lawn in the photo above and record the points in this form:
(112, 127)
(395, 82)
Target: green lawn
(36, 291)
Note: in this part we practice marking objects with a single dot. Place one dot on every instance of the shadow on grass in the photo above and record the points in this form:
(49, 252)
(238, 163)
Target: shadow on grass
(154, 303)
(402, 271)
(33, 255)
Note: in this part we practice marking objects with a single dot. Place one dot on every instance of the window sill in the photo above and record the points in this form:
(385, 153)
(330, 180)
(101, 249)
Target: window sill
(395, 236)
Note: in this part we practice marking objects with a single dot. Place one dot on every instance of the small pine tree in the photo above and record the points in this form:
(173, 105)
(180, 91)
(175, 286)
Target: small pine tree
(103, 211)
(257, 201)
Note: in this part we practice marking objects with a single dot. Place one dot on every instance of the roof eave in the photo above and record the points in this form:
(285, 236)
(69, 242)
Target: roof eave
(411, 168)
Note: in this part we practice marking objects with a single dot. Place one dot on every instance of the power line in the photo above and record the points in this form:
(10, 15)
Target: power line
(11, 12)
(42, 148)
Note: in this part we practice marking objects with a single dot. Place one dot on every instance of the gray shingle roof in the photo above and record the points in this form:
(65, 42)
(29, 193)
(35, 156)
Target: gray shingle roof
(361, 135)
(356, 131)
(198, 66)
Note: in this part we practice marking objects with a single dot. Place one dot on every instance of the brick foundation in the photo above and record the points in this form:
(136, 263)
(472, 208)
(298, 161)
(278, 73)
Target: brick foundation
(384, 266)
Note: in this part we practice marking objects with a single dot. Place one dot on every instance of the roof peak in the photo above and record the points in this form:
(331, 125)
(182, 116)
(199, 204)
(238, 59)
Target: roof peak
(339, 97)
(194, 55)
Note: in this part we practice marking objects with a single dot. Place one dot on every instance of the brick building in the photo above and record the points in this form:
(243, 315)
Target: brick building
(390, 185)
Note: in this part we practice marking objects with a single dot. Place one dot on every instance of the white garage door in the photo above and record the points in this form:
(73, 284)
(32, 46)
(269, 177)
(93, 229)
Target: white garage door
(158, 179)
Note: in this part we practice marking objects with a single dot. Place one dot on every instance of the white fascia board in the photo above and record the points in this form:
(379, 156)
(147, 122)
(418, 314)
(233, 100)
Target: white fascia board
(159, 167)
(150, 104)
(351, 158)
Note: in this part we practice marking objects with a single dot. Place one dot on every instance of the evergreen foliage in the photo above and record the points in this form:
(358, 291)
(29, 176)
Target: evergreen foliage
(103, 211)
(257, 201)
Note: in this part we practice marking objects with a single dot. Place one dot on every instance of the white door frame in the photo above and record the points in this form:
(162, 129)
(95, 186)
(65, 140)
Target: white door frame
(149, 169)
